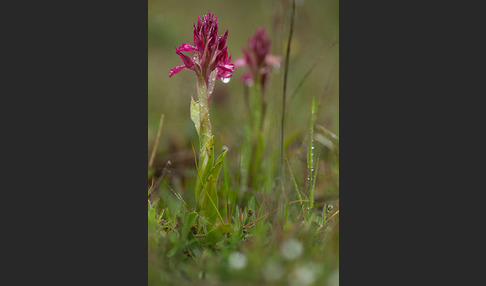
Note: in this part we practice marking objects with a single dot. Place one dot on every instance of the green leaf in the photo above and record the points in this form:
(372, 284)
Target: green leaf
(224, 190)
(209, 204)
(217, 234)
(190, 219)
(214, 236)
(251, 203)
(206, 160)
(286, 211)
(324, 215)
(217, 166)
(295, 184)
(195, 114)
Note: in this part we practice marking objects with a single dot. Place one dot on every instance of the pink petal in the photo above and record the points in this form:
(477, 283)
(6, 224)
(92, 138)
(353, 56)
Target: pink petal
(186, 60)
(175, 70)
(197, 41)
(205, 54)
(224, 74)
(226, 70)
(221, 57)
(186, 48)
(247, 79)
(272, 60)
(222, 40)
(239, 63)
(247, 57)
(229, 67)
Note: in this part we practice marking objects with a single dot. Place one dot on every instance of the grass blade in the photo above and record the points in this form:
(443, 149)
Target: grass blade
(310, 156)
(295, 183)
(285, 87)
(156, 144)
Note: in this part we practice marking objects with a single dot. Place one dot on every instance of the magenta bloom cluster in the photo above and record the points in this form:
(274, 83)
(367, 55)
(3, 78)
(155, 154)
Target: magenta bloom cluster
(210, 53)
(258, 58)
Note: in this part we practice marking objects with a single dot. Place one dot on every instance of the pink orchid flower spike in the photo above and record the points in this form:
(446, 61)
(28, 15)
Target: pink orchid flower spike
(211, 52)
(258, 59)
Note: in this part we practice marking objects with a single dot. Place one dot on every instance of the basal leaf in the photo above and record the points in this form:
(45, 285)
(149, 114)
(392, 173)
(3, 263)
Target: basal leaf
(209, 204)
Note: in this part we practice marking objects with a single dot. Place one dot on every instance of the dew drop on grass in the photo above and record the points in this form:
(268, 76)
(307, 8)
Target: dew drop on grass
(225, 79)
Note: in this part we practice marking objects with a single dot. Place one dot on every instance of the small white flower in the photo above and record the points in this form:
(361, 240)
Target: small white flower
(237, 260)
(333, 279)
(302, 276)
(291, 249)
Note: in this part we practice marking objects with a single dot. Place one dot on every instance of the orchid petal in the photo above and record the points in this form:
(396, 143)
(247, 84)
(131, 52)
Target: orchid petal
(247, 79)
(224, 74)
(228, 67)
(273, 60)
(186, 48)
(247, 57)
(221, 56)
(186, 60)
(239, 63)
(222, 40)
(175, 70)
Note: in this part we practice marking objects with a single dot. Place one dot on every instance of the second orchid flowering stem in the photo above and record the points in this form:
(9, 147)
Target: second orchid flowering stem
(259, 62)
(257, 125)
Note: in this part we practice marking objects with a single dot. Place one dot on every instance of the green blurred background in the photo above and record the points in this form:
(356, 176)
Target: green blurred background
(170, 24)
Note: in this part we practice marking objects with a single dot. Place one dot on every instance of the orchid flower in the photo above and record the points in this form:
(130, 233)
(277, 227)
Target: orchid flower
(259, 63)
(210, 60)
(211, 52)
(258, 59)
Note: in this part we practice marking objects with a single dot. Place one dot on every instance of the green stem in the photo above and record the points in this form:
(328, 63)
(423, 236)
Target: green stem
(258, 111)
(206, 145)
(204, 123)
